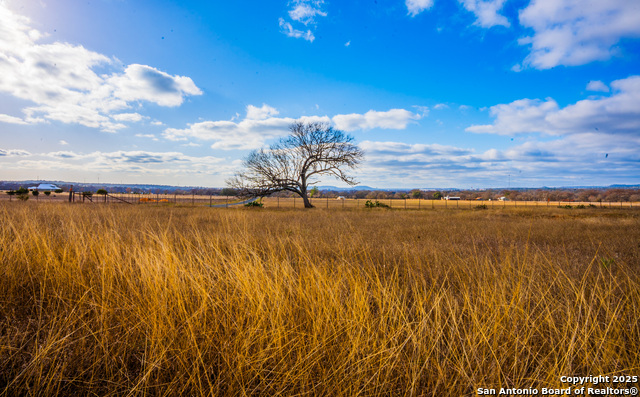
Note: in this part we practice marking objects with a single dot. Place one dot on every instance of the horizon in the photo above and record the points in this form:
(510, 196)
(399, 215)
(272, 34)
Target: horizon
(478, 94)
(326, 187)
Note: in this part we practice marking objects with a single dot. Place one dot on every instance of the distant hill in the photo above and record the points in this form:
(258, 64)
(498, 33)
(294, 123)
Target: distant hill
(348, 188)
(77, 186)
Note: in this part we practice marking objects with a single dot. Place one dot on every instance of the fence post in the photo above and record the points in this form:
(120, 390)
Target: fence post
(405, 204)
(210, 198)
(278, 201)
(418, 202)
(327, 202)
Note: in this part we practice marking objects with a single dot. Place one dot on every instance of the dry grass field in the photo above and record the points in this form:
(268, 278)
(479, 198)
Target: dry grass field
(163, 301)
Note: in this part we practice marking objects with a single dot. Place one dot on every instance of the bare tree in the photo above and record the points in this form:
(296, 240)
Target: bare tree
(294, 163)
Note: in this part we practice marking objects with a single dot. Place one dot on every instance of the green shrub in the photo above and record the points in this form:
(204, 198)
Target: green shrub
(565, 206)
(22, 194)
(481, 207)
(102, 192)
(254, 204)
(47, 193)
(374, 204)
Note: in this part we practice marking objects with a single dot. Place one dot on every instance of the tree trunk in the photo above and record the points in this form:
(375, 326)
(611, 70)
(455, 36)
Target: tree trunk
(307, 203)
(304, 193)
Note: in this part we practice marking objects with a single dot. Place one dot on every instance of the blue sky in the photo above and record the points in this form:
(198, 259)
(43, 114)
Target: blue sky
(438, 93)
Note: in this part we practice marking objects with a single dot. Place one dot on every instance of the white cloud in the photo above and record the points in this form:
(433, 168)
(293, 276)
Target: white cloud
(229, 135)
(615, 114)
(402, 149)
(306, 11)
(347, 44)
(303, 12)
(574, 159)
(441, 106)
(260, 125)
(597, 85)
(13, 153)
(63, 142)
(260, 113)
(415, 7)
(62, 82)
(143, 166)
(287, 29)
(486, 12)
(391, 119)
(521, 116)
(424, 110)
(5, 118)
(142, 82)
(63, 154)
(130, 162)
(127, 117)
(576, 32)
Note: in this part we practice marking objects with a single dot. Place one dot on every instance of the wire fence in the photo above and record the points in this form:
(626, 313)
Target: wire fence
(151, 199)
(128, 198)
(424, 204)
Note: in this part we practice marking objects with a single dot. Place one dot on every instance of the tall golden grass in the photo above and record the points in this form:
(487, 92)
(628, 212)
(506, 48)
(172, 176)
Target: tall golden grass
(134, 300)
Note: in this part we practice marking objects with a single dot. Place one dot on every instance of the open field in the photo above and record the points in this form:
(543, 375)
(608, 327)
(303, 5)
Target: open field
(169, 300)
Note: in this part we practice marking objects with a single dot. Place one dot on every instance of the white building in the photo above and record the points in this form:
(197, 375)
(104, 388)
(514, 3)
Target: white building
(45, 187)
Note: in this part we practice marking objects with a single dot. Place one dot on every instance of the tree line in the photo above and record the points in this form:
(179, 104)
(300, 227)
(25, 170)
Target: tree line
(551, 194)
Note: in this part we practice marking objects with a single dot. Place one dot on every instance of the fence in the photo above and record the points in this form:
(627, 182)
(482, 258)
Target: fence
(281, 202)
(128, 198)
(422, 204)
